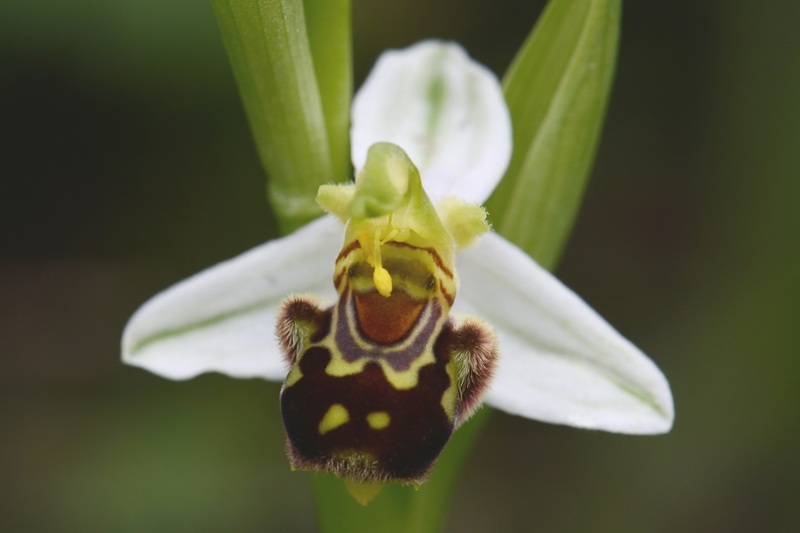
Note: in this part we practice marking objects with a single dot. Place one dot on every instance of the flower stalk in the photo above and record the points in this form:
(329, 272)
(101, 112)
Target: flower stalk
(283, 53)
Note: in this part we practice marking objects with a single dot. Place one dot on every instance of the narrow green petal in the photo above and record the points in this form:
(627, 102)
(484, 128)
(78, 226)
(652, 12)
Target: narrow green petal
(295, 128)
(557, 89)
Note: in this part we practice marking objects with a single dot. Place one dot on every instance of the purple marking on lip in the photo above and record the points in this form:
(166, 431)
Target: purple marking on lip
(399, 360)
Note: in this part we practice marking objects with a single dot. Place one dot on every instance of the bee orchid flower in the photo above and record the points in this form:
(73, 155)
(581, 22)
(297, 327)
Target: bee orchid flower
(400, 322)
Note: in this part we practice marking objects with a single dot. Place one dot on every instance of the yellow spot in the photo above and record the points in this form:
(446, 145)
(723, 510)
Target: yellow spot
(363, 491)
(383, 281)
(370, 239)
(378, 420)
(336, 416)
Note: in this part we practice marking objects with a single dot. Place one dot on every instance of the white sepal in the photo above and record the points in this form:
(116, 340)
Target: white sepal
(223, 318)
(560, 361)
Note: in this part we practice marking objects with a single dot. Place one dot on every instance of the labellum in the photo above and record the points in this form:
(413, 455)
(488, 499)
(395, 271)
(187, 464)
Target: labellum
(379, 381)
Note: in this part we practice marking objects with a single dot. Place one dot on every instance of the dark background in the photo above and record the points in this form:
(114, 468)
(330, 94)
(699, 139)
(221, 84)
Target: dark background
(126, 164)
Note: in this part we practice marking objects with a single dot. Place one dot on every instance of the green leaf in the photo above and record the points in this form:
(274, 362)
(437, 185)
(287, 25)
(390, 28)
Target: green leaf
(329, 35)
(557, 89)
(296, 129)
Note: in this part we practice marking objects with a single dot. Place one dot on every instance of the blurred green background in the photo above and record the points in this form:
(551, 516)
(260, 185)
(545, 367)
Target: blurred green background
(127, 165)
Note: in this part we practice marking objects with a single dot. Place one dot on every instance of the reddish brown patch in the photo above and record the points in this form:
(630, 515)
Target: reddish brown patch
(347, 249)
(447, 296)
(386, 319)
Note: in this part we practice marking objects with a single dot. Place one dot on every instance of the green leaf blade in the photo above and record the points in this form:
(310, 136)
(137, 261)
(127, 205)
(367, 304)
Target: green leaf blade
(557, 89)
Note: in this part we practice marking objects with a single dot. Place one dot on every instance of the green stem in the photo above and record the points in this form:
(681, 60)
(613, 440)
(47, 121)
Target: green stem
(296, 130)
(330, 38)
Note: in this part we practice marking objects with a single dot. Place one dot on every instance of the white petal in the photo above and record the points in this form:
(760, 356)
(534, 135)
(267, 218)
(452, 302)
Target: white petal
(223, 319)
(560, 361)
(445, 110)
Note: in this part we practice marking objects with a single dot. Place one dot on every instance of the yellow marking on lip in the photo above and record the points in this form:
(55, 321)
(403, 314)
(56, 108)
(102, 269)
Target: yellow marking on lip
(294, 376)
(336, 416)
(400, 379)
(378, 420)
(450, 395)
(338, 366)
